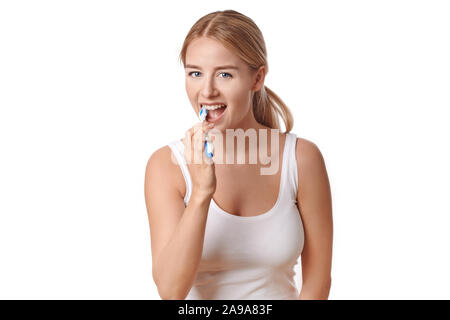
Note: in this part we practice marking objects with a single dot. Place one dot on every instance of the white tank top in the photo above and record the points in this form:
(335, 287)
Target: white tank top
(247, 258)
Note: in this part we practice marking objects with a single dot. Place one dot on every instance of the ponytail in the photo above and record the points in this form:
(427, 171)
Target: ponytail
(267, 106)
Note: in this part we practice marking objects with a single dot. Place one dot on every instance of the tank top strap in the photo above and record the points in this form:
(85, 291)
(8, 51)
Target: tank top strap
(177, 147)
(291, 177)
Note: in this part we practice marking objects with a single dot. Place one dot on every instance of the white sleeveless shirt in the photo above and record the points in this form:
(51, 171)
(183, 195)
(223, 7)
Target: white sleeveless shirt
(247, 258)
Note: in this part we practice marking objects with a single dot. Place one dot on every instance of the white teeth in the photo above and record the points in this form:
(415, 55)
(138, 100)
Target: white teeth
(214, 107)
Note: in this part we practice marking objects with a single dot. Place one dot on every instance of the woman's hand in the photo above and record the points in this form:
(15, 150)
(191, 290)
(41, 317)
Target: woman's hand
(201, 168)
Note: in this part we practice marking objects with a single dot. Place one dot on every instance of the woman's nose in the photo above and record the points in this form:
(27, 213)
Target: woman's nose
(208, 88)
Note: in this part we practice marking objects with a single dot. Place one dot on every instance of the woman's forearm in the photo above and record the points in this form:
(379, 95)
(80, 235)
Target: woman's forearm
(177, 264)
(307, 295)
(316, 292)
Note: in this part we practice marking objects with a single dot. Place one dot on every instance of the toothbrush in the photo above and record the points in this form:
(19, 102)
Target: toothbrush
(209, 149)
(202, 114)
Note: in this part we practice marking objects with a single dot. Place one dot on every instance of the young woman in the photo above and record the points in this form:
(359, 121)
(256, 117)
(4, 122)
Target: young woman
(222, 229)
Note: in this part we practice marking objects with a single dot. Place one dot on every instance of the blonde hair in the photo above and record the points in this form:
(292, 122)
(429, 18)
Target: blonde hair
(241, 35)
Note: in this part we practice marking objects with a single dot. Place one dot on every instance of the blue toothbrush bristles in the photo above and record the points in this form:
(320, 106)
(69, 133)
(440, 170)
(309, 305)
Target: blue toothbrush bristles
(202, 114)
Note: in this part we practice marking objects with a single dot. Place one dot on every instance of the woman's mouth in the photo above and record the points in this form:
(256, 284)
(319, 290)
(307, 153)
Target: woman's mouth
(215, 115)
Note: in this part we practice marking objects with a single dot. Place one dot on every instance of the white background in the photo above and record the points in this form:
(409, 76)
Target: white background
(89, 89)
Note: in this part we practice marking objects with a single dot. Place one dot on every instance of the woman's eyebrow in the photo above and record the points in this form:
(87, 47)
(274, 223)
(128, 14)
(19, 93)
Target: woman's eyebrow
(216, 68)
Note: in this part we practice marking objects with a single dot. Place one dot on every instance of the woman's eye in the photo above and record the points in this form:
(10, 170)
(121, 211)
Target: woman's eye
(229, 75)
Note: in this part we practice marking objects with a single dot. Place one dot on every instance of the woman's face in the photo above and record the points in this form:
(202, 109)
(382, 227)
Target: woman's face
(216, 75)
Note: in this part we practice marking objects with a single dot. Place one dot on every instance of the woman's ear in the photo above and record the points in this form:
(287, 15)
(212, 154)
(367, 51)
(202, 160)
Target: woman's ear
(258, 79)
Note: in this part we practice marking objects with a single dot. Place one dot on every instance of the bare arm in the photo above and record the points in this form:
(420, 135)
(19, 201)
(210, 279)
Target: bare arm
(314, 201)
(177, 232)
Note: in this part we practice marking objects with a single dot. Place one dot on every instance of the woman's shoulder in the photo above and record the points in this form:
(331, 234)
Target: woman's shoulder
(163, 162)
(307, 152)
(310, 162)
(162, 154)
(305, 144)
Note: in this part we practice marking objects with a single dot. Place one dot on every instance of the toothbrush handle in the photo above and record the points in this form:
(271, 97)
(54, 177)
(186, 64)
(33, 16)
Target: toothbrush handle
(209, 149)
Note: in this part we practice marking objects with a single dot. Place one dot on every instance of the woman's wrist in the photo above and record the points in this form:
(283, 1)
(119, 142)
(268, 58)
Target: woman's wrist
(200, 196)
